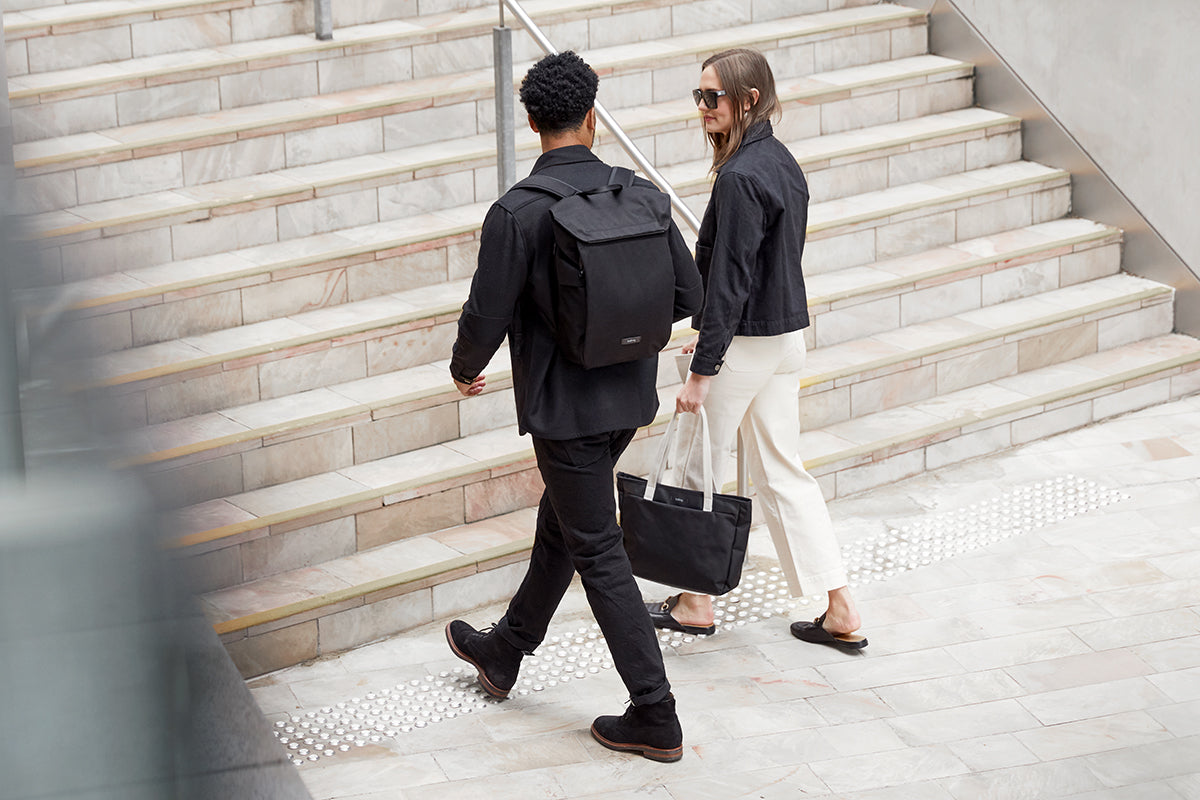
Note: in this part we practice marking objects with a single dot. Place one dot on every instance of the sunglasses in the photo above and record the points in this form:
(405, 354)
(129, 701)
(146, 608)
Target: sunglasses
(709, 96)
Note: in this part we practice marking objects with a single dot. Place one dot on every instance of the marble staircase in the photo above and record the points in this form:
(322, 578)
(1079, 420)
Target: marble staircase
(264, 242)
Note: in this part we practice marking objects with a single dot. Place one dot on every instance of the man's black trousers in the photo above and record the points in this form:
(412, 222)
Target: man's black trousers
(577, 531)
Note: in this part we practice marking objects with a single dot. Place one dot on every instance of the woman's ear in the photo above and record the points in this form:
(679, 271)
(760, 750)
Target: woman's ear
(753, 101)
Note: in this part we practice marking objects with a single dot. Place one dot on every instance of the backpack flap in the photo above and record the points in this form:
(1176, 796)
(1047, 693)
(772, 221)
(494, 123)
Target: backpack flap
(614, 276)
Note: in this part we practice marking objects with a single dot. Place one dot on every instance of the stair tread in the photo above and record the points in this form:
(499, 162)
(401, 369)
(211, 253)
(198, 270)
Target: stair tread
(272, 335)
(380, 564)
(419, 28)
(74, 13)
(189, 273)
(302, 45)
(262, 259)
(269, 597)
(281, 184)
(502, 446)
(252, 421)
(144, 135)
(968, 327)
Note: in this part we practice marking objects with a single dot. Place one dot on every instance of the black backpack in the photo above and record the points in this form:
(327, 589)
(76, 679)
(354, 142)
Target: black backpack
(614, 280)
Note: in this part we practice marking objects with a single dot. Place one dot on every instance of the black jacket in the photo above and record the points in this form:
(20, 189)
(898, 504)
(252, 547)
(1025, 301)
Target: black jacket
(556, 399)
(749, 249)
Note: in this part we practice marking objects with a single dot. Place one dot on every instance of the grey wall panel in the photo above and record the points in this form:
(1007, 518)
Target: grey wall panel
(1107, 89)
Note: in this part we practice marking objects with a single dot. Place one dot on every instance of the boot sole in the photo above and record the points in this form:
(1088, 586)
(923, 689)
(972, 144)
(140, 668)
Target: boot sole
(646, 751)
(490, 688)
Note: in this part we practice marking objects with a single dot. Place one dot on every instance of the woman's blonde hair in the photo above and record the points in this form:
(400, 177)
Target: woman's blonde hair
(739, 71)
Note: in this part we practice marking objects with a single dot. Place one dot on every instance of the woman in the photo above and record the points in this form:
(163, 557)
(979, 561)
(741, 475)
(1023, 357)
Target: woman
(750, 349)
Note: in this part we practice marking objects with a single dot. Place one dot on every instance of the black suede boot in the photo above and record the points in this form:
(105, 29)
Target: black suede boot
(652, 730)
(497, 660)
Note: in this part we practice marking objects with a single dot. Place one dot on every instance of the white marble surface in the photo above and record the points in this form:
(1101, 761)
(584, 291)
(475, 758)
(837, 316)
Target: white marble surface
(1062, 663)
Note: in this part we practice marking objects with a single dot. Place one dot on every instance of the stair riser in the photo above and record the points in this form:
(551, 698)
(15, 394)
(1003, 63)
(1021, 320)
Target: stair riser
(912, 232)
(95, 176)
(188, 313)
(964, 290)
(52, 187)
(193, 311)
(990, 436)
(46, 48)
(405, 424)
(845, 176)
(831, 402)
(336, 532)
(247, 83)
(213, 474)
(58, 46)
(371, 524)
(287, 370)
(290, 640)
(311, 451)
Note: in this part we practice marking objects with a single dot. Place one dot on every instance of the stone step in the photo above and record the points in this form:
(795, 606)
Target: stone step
(325, 604)
(100, 240)
(93, 108)
(247, 447)
(244, 364)
(64, 37)
(205, 78)
(247, 18)
(303, 70)
(853, 379)
(837, 165)
(435, 175)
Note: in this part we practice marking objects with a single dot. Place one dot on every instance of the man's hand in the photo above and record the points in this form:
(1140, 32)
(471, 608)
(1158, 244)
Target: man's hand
(693, 393)
(471, 389)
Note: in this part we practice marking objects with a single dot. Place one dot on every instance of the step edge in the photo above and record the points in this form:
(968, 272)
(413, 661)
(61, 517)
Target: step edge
(215, 534)
(848, 454)
(179, 367)
(698, 180)
(498, 377)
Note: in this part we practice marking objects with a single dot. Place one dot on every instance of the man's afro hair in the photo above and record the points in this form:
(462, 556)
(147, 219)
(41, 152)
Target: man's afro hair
(558, 91)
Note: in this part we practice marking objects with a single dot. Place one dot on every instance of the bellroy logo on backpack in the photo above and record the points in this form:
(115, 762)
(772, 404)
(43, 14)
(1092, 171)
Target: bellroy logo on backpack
(614, 278)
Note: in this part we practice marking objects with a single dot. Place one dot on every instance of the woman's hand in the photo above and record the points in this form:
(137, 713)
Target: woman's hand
(693, 393)
(471, 389)
(689, 346)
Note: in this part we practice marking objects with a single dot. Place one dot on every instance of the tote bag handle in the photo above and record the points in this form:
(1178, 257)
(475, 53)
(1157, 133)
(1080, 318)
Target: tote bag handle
(664, 448)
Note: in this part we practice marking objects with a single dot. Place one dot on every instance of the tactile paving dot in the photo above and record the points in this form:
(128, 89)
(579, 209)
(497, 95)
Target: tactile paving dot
(574, 656)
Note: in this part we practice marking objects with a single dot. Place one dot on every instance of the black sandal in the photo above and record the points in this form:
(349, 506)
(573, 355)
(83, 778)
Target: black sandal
(815, 633)
(660, 615)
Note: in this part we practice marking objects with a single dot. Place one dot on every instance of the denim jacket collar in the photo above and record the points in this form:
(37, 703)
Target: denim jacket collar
(759, 130)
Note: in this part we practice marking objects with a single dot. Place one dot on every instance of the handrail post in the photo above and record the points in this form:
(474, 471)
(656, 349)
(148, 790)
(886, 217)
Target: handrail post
(506, 142)
(323, 19)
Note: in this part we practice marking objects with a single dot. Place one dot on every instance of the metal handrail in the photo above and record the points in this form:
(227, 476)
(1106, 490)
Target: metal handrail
(505, 140)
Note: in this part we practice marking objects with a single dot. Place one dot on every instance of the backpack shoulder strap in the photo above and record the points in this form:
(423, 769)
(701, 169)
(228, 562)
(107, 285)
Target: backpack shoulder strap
(547, 184)
(622, 176)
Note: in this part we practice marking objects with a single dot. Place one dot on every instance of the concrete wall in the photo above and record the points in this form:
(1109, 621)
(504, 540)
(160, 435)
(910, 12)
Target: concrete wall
(1122, 79)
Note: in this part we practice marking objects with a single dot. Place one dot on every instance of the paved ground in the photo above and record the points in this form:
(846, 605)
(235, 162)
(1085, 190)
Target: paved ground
(1034, 620)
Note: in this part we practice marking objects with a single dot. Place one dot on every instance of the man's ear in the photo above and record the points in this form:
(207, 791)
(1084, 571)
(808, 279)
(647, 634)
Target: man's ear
(590, 119)
(532, 125)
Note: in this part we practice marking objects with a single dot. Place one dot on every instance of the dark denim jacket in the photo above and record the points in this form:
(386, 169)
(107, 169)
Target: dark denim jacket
(749, 249)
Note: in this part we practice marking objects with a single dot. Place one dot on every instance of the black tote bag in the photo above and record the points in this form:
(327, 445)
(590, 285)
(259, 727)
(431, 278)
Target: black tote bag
(690, 539)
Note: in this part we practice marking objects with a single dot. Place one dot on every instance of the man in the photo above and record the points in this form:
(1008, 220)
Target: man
(580, 420)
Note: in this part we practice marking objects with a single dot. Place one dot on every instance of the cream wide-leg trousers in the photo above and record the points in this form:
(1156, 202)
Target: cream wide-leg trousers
(757, 391)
